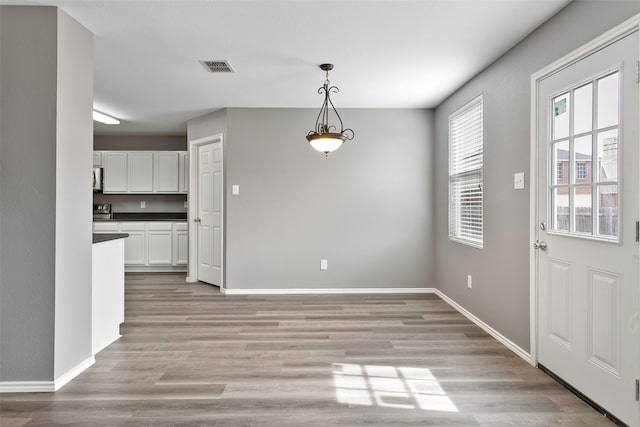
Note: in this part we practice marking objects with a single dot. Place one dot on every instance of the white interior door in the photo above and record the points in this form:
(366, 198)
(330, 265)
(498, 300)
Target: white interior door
(209, 217)
(587, 257)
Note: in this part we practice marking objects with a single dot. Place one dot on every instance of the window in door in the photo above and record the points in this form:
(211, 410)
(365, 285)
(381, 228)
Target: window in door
(465, 174)
(584, 140)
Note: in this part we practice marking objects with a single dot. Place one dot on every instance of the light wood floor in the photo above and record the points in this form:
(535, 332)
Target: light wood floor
(194, 357)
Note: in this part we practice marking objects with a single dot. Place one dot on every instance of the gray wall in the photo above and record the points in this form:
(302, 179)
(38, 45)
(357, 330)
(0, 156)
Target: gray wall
(139, 142)
(367, 208)
(210, 124)
(500, 294)
(27, 192)
(153, 202)
(45, 223)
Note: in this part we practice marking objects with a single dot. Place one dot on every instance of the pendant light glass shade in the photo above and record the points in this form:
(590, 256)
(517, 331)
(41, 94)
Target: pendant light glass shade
(327, 142)
(325, 137)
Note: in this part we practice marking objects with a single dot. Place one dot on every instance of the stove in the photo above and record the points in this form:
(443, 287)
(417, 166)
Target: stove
(102, 211)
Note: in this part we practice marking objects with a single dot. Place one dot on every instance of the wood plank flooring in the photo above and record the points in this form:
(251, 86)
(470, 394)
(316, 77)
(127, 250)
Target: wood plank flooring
(190, 356)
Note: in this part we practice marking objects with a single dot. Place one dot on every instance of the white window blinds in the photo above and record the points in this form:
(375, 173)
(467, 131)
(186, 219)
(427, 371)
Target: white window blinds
(465, 174)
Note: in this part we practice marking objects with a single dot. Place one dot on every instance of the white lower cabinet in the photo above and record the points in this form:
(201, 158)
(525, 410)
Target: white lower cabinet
(135, 247)
(151, 246)
(160, 244)
(180, 243)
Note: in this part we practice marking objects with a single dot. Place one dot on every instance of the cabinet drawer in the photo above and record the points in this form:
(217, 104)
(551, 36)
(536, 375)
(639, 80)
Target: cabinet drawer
(133, 226)
(105, 227)
(180, 226)
(159, 226)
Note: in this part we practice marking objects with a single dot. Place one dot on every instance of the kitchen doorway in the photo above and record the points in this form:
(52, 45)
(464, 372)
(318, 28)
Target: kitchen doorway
(206, 211)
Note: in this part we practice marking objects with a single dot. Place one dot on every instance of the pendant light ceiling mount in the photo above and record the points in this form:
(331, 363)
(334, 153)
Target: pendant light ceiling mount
(326, 137)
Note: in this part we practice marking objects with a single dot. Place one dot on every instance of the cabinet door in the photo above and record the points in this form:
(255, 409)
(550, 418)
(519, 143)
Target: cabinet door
(134, 248)
(160, 247)
(159, 243)
(184, 172)
(140, 175)
(115, 171)
(180, 243)
(166, 171)
(97, 159)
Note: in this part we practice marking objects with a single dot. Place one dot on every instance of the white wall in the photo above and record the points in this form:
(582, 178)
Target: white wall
(74, 154)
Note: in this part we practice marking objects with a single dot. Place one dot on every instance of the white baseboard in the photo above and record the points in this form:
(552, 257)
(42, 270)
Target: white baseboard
(317, 291)
(155, 269)
(74, 372)
(27, 386)
(46, 386)
(488, 329)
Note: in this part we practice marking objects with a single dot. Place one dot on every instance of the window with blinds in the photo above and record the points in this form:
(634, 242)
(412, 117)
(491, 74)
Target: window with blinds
(465, 174)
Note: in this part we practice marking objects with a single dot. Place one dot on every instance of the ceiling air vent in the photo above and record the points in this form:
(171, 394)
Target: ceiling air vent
(217, 66)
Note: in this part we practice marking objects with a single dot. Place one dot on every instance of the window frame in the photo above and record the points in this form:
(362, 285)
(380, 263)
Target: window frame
(466, 172)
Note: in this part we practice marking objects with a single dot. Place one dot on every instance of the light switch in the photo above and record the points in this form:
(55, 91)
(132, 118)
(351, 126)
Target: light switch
(235, 190)
(518, 181)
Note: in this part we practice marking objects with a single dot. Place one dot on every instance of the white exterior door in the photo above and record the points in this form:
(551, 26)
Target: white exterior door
(587, 254)
(209, 218)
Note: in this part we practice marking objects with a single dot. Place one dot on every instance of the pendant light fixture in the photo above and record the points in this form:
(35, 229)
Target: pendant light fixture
(326, 137)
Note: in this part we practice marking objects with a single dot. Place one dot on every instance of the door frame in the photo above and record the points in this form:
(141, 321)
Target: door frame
(622, 30)
(193, 200)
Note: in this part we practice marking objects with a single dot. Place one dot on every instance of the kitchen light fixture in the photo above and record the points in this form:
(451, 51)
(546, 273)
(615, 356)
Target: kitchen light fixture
(325, 137)
(103, 118)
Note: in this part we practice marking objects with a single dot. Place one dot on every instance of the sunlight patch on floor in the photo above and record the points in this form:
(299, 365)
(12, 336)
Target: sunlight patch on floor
(390, 387)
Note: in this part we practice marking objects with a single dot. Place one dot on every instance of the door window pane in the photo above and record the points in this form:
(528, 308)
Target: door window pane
(582, 209)
(584, 175)
(608, 101)
(561, 162)
(561, 116)
(582, 148)
(583, 109)
(608, 156)
(608, 210)
(560, 206)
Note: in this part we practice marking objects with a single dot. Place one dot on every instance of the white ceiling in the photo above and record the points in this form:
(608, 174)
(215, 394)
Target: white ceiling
(387, 53)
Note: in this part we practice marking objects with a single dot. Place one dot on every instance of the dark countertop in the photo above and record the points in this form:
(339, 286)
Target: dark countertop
(97, 238)
(146, 216)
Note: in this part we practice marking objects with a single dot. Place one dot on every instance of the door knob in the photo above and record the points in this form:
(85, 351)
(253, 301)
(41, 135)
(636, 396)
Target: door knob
(196, 219)
(540, 245)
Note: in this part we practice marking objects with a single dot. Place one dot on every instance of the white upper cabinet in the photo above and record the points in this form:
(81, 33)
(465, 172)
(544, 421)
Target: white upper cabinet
(97, 159)
(184, 172)
(140, 165)
(166, 165)
(144, 171)
(115, 171)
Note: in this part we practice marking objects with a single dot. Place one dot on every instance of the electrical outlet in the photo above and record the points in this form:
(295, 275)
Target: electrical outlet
(143, 204)
(323, 264)
(186, 205)
(469, 281)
